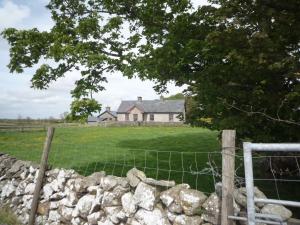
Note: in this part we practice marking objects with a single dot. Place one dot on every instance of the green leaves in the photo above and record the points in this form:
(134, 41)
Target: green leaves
(82, 108)
(240, 60)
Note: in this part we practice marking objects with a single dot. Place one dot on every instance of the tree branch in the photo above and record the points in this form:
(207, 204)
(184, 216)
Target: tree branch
(263, 114)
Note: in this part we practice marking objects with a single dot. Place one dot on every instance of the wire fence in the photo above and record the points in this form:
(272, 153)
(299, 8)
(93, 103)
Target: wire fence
(277, 175)
(200, 168)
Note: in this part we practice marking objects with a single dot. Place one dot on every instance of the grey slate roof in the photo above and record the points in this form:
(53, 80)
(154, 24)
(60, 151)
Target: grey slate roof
(153, 106)
(92, 119)
(114, 113)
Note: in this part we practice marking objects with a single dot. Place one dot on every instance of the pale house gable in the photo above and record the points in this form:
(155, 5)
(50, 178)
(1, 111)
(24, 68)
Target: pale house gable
(151, 110)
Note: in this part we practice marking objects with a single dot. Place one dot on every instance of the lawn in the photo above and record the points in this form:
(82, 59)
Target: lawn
(162, 152)
(174, 153)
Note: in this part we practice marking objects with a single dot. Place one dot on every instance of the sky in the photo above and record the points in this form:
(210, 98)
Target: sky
(18, 99)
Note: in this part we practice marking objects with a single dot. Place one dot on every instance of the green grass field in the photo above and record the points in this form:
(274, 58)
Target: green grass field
(162, 152)
(174, 153)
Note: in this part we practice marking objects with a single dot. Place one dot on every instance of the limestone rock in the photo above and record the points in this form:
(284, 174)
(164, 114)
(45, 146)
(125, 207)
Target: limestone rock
(94, 179)
(110, 199)
(115, 214)
(172, 196)
(109, 182)
(145, 196)
(218, 189)
(71, 198)
(279, 210)
(128, 204)
(161, 183)
(43, 208)
(187, 220)
(155, 217)
(132, 221)
(66, 213)
(240, 196)
(84, 206)
(191, 201)
(105, 221)
(212, 210)
(76, 184)
(134, 177)
(48, 191)
(77, 221)
(54, 216)
(29, 189)
(16, 167)
(94, 217)
(8, 190)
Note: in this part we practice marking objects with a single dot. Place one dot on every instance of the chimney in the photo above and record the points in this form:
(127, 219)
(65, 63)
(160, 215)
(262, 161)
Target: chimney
(107, 109)
(139, 98)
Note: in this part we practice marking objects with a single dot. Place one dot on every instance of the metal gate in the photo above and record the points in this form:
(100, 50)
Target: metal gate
(252, 217)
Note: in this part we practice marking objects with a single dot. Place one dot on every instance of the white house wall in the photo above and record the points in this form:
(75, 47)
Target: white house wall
(162, 117)
(158, 117)
(121, 117)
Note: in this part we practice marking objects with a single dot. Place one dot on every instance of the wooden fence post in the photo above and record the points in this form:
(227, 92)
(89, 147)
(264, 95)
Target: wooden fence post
(228, 171)
(42, 169)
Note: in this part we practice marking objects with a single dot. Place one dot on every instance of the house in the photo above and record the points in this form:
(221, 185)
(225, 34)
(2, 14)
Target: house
(108, 115)
(92, 120)
(151, 110)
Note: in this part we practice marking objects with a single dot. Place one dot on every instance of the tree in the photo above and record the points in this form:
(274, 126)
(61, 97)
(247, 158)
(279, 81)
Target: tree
(240, 59)
(63, 116)
(82, 108)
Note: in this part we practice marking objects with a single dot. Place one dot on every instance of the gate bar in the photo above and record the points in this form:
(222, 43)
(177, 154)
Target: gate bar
(274, 147)
(248, 148)
(275, 201)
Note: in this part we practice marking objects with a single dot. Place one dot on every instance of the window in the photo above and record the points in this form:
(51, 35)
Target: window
(151, 117)
(135, 117)
(171, 117)
(126, 117)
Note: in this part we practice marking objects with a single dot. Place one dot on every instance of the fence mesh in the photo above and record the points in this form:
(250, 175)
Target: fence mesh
(162, 158)
(192, 157)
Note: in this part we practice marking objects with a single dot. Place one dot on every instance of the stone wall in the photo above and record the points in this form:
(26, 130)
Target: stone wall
(69, 198)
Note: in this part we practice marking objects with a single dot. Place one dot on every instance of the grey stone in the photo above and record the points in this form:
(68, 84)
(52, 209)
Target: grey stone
(134, 177)
(84, 206)
(66, 213)
(8, 190)
(161, 183)
(240, 196)
(128, 203)
(29, 189)
(43, 208)
(145, 196)
(172, 195)
(109, 182)
(212, 209)
(105, 221)
(115, 214)
(94, 179)
(218, 189)
(94, 217)
(191, 201)
(279, 210)
(187, 220)
(132, 221)
(111, 199)
(54, 216)
(154, 217)
(16, 167)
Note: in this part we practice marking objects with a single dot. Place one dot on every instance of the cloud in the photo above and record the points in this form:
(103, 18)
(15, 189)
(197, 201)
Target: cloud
(12, 15)
(16, 96)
